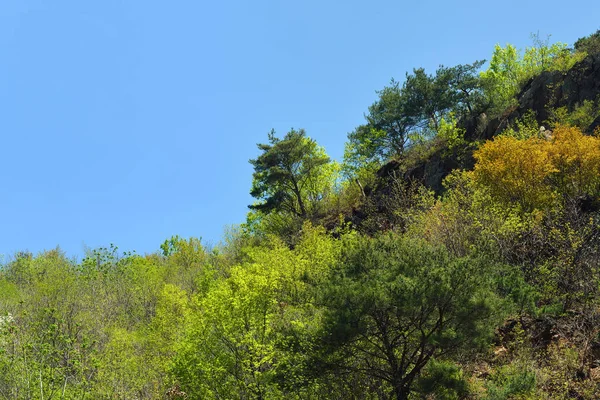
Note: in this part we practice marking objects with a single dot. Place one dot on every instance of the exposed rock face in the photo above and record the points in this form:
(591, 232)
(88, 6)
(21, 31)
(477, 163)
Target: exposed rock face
(550, 89)
(433, 171)
(538, 94)
(595, 125)
(553, 89)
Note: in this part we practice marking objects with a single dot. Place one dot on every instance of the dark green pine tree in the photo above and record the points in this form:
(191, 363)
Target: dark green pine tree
(285, 173)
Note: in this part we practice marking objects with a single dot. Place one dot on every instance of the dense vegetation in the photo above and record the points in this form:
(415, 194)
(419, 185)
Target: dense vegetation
(363, 279)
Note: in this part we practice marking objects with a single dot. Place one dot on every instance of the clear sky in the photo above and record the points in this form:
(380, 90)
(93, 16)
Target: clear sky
(128, 121)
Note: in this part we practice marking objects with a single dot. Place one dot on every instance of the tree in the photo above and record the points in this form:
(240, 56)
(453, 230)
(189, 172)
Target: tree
(466, 84)
(288, 175)
(398, 303)
(516, 171)
(227, 350)
(430, 98)
(503, 78)
(535, 173)
(48, 351)
(415, 109)
(510, 69)
(548, 191)
(589, 44)
(239, 339)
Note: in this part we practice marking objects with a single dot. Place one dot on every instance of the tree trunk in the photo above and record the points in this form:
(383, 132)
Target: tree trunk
(299, 197)
(401, 392)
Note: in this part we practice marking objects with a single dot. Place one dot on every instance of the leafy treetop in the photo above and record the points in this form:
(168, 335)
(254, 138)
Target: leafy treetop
(286, 174)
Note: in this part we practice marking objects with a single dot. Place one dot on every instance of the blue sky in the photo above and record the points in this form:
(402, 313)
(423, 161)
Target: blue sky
(127, 122)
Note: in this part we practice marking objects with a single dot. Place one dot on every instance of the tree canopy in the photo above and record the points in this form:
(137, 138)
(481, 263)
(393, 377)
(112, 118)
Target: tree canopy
(415, 110)
(287, 174)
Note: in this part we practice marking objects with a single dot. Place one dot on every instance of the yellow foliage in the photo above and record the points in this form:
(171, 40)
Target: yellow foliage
(516, 171)
(577, 157)
(535, 173)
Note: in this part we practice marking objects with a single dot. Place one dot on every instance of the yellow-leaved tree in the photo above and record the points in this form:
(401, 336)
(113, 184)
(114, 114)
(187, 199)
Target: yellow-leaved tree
(536, 173)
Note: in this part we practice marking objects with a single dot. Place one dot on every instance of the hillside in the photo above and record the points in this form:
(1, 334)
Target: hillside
(453, 254)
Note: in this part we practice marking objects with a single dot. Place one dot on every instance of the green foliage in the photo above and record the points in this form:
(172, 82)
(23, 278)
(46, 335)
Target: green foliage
(503, 78)
(450, 133)
(467, 220)
(228, 351)
(292, 175)
(525, 127)
(171, 246)
(581, 116)
(188, 264)
(399, 208)
(512, 381)
(404, 114)
(231, 344)
(10, 293)
(397, 303)
(296, 181)
(543, 56)
(123, 373)
(589, 44)
(445, 380)
(368, 145)
(357, 181)
(509, 70)
(283, 225)
(45, 351)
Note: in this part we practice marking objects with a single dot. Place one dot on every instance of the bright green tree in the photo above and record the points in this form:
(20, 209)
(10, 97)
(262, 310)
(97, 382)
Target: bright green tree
(510, 69)
(249, 336)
